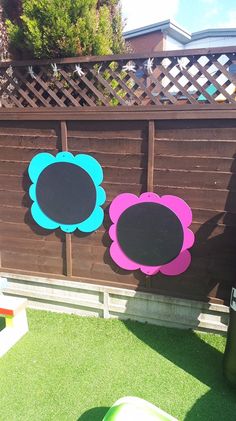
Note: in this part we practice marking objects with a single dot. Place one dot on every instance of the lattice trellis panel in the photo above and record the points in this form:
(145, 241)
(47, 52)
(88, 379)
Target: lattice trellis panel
(188, 79)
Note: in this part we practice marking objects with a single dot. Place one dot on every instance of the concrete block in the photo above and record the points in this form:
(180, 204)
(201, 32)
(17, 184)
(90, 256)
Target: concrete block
(84, 299)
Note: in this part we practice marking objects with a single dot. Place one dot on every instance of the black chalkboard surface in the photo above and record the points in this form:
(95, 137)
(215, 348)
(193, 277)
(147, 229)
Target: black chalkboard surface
(150, 234)
(66, 193)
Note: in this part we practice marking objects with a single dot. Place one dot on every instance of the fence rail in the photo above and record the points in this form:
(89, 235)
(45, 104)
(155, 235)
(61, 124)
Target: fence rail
(195, 77)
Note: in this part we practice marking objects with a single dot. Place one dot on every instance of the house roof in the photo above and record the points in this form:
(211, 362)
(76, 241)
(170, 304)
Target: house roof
(179, 34)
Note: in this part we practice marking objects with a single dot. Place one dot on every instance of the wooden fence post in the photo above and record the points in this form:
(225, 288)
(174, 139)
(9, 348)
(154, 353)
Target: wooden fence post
(150, 163)
(64, 147)
(150, 172)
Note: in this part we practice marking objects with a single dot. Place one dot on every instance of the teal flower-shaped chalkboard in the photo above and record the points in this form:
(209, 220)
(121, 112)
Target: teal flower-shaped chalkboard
(66, 192)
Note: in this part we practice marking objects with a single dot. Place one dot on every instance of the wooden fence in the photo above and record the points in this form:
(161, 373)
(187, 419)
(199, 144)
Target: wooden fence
(164, 123)
(195, 77)
(184, 150)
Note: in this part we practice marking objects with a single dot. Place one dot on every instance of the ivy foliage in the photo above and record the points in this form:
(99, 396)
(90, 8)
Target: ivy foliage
(63, 28)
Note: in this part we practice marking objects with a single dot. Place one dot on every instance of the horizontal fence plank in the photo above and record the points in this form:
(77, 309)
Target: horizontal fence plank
(11, 213)
(100, 271)
(125, 57)
(28, 231)
(14, 198)
(99, 129)
(16, 183)
(199, 179)
(105, 145)
(14, 168)
(202, 198)
(43, 263)
(29, 141)
(180, 113)
(206, 163)
(113, 189)
(120, 160)
(32, 247)
(23, 154)
(203, 130)
(205, 148)
(214, 217)
(122, 175)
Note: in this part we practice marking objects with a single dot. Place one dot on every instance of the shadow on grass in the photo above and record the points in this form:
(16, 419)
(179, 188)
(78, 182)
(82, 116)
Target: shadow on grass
(212, 407)
(184, 348)
(94, 414)
(187, 351)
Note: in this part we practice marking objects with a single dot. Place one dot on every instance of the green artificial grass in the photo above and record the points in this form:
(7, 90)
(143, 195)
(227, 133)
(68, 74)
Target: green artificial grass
(69, 368)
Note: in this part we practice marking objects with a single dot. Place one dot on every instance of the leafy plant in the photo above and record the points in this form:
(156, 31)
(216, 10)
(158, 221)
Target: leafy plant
(62, 28)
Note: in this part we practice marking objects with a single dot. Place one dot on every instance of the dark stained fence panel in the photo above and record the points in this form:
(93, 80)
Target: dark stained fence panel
(24, 245)
(121, 149)
(194, 159)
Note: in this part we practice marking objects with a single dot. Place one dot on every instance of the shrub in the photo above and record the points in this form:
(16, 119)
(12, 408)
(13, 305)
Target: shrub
(62, 28)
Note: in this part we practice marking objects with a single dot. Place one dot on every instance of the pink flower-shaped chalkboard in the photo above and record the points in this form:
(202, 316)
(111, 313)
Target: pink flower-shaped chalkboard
(151, 233)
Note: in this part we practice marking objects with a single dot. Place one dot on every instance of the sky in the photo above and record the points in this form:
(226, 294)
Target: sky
(192, 15)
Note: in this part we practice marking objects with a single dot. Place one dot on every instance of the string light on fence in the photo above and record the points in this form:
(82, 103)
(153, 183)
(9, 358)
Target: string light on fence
(99, 69)
(10, 71)
(55, 69)
(31, 72)
(149, 65)
(181, 64)
(78, 70)
(129, 67)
